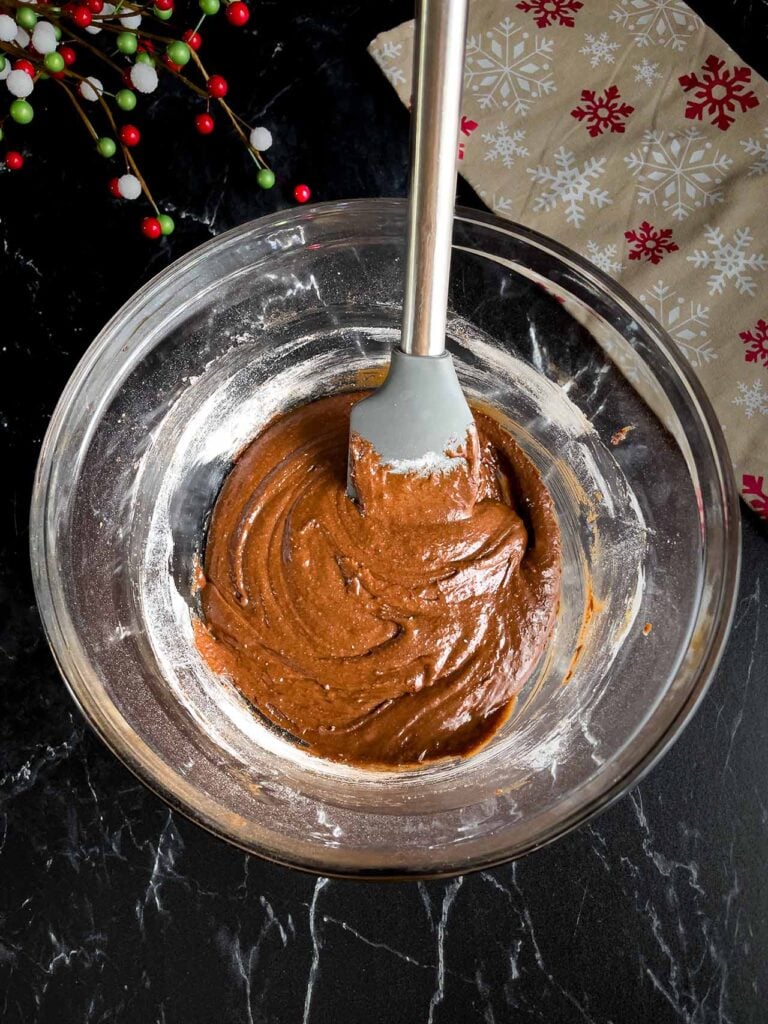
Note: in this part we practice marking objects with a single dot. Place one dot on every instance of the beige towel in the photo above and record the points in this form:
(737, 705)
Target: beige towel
(629, 131)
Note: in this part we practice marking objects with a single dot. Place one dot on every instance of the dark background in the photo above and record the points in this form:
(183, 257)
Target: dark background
(114, 909)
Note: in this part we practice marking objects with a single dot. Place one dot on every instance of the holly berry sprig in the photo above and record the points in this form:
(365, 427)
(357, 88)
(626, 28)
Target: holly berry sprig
(45, 41)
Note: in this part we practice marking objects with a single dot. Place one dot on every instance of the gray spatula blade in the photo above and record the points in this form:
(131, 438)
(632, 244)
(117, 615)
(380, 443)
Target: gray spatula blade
(417, 415)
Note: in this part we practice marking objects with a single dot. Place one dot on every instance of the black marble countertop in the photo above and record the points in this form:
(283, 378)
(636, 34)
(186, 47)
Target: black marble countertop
(112, 908)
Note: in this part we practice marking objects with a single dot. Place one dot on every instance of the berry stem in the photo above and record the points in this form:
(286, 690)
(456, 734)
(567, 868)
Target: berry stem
(81, 113)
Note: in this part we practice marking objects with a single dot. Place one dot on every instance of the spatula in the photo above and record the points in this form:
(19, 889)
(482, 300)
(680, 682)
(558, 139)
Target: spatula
(419, 416)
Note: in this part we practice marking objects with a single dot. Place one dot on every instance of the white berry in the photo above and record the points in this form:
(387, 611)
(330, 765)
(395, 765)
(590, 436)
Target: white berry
(143, 78)
(129, 186)
(90, 89)
(22, 38)
(131, 21)
(261, 139)
(6, 70)
(7, 28)
(44, 37)
(20, 84)
(93, 29)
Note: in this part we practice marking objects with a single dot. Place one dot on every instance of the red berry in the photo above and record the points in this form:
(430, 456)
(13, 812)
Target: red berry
(193, 39)
(169, 64)
(151, 227)
(238, 13)
(24, 65)
(82, 17)
(68, 54)
(56, 74)
(114, 187)
(14, 161)
(204, 124)
(95, 6)
(301, 193)
(164, 5)
(130, 135)
(146, 46)
(217, 86)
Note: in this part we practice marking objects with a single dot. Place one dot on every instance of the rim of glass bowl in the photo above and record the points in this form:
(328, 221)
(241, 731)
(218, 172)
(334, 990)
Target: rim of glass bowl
(637, 757)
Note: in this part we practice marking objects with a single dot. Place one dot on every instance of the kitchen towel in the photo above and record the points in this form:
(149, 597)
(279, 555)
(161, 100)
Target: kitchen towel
(629, 131)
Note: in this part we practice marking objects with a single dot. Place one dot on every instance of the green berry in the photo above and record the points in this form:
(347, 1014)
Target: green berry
(106, 147)
(166, 223)
(209, 6)
(22, 112)
(265, 178)
(126, 99)
(162, 15)
(178, 52)
(127, 43)
(2, 134)
(2, 62)
(57, 33)
(54, 62)
(145, 58)
(26, 17)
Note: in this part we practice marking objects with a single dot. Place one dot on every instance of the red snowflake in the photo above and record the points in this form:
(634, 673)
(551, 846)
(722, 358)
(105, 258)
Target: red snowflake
(602, 113)
(757, 342)
(467, 127)
(651, 244)
(718, 93)
(753, 489)
(551, 12)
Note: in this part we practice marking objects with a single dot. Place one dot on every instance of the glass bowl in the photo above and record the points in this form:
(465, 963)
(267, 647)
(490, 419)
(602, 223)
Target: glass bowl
(305, 303)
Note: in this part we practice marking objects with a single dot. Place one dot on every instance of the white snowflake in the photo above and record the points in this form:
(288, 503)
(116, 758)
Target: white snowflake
(678, 171)
(600, 49)
(498, 203)
(386, 56)
(606, 257)
(569, 185)
(729, 261)
(504, 146)
(507, 67)
(646, 72)
(758, 148)
(657, 22)
(752, 398)
(687, 322)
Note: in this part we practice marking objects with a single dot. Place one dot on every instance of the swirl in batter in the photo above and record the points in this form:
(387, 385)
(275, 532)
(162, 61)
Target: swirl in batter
(387, 633)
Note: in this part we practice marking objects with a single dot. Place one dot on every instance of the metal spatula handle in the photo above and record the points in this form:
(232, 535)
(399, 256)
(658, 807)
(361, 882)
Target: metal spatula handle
(438, 65)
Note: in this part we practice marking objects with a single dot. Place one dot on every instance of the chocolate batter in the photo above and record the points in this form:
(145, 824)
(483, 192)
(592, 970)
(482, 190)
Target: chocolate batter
(390, 632)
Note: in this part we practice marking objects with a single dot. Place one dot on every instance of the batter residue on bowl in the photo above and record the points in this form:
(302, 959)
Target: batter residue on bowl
(385, 633)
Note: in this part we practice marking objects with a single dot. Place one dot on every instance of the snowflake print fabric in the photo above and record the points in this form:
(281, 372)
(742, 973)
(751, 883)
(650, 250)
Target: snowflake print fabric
(718, 93)
(680, 172)
(600, 49)
(756, 341)
(686, 321)
(753, 488)
(602, 112)
(569, 186)
(630, 133)
(508, 68)
(650, 243)
(731, 260)
(551, 12)
(606, 257)
(657, 22)
(647, 72)
(504, 145)
(759, 149)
